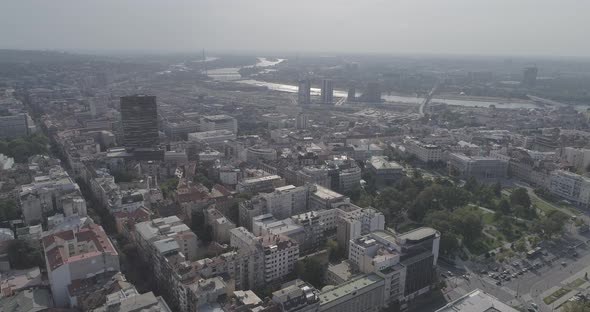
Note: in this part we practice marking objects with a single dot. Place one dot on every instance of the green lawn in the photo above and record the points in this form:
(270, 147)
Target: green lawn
(576, 283)
(556, 295)
(542, 204)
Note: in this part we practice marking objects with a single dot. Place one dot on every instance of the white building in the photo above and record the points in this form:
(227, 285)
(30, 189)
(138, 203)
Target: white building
(286, 201)
(576, 157)
(158, 229)
(50, 193)
(570, 186)
(72, 255)
(212, 138)
(424, 152)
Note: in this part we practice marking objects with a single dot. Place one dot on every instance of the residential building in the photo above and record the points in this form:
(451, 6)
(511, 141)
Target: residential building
(286, 201)
(327, 92)
(297, 296)
(424, 152)
(131, 302)
(260, 184)
(220, 225)
(529, 77)
(150, 232)
(280, 255)
(578, 158)
(50, 193)
(355, 223)
(304, 92)
(302, 121)
(72, 255)
(570, 186)
(139, 119)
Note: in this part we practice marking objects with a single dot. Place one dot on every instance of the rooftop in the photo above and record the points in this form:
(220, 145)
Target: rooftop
(476, 301)
(348, 288)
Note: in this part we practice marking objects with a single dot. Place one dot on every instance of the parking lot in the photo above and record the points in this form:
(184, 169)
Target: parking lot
(522, 281)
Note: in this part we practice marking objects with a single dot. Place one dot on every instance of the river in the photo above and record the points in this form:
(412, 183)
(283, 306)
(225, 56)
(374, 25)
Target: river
(232, 74)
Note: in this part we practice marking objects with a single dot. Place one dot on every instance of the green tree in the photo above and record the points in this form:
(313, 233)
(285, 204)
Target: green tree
(8, 210)
(520, 196)
(335, 251)
(23, 255)
(468, 223)
(311, 271)
(504, 206)
(497, 188)
(577, 306)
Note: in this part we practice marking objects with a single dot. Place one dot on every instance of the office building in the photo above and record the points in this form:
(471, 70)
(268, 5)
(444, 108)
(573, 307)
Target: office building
(214, 138)
(139, 119)
(529, 77)
(424, 152)
(72, 255)
(327, 91)
(383, 170)
(372, 93)
(15, 126)
(302, 121)
(304, 92)
(219, 122)
(351, 94)
(481, 168)
(363, 294)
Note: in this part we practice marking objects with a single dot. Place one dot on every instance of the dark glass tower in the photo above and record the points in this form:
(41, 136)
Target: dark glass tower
(139, 118)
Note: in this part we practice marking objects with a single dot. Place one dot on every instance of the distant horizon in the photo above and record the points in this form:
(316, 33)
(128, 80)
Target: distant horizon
(312, 53)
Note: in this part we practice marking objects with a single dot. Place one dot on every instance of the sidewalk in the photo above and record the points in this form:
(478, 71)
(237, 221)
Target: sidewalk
(574, 279)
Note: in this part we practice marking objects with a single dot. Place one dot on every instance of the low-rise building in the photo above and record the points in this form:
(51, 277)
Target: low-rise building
(264, 184)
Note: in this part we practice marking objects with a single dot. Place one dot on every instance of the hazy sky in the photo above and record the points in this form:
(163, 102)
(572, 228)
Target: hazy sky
(487, 27)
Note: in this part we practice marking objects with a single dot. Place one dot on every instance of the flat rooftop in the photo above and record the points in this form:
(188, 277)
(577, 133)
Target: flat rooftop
(418, 234)
(477, 301)
(348, 288)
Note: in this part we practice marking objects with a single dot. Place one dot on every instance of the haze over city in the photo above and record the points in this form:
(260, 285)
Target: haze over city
(500, 27)
(294, 156)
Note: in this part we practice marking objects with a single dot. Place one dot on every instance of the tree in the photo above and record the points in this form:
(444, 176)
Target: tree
(23, 255)
(468, 223)
(200, 227)
(504, 206)
(335, 252)
(8, 210)
(497, 188)
(576, 306)
(311, 271)
(520, 196)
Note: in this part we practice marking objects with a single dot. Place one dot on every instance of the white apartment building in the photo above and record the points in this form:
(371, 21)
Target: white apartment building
(150, 232)
(47, 193)
(286, 201)
(570, 186)
(280, 255)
